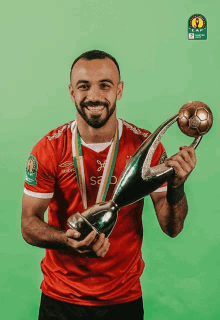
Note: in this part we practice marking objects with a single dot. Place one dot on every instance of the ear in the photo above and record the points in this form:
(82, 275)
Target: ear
(120, 90)
(71, 91)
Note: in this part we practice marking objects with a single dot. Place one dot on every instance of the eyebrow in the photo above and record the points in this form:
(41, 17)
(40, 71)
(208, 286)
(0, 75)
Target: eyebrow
(107, 80)
(82, 81)
(86, 81)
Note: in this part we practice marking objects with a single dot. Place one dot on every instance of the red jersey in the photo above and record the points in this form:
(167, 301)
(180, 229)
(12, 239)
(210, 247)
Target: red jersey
(68, 275)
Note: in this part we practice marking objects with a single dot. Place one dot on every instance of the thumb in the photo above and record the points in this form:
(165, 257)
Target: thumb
(73, 233)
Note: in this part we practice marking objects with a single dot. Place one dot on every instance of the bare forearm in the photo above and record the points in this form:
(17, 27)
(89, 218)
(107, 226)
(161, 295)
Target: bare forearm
(172, 216)
(38, 233)
(171, 208)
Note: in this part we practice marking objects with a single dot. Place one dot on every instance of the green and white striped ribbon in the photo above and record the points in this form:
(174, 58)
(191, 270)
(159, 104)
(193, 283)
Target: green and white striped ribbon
(79, 167)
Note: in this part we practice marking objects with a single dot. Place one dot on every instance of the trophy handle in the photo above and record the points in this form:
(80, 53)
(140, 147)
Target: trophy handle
(138, 179)
(196, 142)
(162, 169)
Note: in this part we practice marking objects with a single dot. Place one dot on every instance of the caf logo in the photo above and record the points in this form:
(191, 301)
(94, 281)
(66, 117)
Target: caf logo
(31, 165)
(197, 22)
(197, 27)
(31, 171)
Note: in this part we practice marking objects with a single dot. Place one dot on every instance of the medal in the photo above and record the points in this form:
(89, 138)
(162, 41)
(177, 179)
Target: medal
(79, 166)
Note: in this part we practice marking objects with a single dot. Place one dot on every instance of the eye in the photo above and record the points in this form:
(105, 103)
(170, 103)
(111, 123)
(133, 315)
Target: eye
(83, 87)
(105, 86)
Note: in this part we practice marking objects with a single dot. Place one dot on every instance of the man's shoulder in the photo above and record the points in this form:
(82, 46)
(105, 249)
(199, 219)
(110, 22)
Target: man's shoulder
(132, 129)
(55, 138)
(60, 131)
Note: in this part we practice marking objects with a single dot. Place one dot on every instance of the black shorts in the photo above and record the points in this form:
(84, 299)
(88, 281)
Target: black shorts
(58, 310)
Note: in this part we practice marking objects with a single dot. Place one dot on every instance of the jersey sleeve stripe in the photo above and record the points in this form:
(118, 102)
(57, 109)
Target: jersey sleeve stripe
(38, 194)
(161, 189)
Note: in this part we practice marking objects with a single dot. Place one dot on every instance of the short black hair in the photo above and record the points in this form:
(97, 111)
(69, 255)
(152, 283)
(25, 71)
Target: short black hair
(95, 54)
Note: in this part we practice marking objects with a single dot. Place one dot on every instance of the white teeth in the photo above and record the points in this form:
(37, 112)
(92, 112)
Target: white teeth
(98, 108)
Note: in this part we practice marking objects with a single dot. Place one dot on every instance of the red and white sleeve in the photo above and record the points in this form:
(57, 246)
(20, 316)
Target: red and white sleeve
(41, 170)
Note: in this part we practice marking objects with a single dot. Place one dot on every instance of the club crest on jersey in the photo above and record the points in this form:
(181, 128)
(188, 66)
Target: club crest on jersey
(31, 171)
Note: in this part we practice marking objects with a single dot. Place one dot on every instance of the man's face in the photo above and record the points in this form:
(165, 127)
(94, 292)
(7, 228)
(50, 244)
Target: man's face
(95, 87)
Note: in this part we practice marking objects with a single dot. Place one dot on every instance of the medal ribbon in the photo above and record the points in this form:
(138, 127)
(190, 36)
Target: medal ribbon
(108, 170)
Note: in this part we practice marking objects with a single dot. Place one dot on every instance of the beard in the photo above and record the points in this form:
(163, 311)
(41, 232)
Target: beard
(95, 121)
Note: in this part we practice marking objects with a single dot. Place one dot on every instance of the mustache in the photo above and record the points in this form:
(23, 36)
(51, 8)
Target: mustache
(93, 104)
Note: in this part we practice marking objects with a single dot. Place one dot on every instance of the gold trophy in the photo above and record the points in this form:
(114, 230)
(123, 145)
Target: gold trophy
(138, 179)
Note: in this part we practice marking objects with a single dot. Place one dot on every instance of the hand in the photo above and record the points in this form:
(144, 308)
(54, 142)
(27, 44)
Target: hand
(93, 242)
(183, 163)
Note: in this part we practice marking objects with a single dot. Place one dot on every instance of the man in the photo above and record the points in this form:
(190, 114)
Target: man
(107, 285)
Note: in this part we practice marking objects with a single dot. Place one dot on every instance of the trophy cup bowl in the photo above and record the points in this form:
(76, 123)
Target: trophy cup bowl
(138, 179)
(101, 217)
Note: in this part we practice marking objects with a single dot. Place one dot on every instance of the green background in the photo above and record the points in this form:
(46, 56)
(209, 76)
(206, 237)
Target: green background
(162, 70)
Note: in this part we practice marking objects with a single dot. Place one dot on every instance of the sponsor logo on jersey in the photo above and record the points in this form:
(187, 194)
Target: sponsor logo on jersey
(67, 165)
(97, 180)
(101, 165)
(31, 171)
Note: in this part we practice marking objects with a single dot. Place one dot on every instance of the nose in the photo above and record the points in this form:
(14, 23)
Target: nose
(94, 94)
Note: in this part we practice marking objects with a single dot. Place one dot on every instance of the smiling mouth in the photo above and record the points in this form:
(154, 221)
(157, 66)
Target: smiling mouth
(96, 109)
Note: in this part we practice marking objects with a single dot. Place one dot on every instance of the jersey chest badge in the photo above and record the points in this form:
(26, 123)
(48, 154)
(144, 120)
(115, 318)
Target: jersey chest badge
(31, 171)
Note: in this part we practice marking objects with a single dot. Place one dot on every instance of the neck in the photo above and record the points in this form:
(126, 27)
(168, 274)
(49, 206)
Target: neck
(93, 135)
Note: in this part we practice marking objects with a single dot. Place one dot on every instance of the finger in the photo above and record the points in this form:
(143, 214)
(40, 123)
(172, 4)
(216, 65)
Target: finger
(104, 248)
(98, 244)
(73, 233)
(88, 239)
(186, 157)
(191, 152)
(83, 250)
(179, 165)
(72, 243)
(179, 172)
(80, 246)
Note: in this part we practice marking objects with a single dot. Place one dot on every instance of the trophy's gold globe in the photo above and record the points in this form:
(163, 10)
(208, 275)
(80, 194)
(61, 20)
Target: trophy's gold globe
(195, 118)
